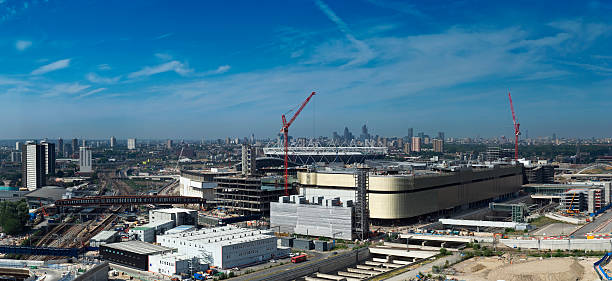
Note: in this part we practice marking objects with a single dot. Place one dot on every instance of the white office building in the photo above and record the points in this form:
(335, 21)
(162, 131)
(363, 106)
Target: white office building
(85, 160)
(33, 165)
(131, 143)
(170, 264)
(226, 246)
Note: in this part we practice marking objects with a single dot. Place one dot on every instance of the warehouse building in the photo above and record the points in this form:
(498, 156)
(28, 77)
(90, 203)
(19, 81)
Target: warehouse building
(179, 216)
(104, 237)
(224, 247)
(133, 254)
(394, 198)
(316, 217)
(147, 232)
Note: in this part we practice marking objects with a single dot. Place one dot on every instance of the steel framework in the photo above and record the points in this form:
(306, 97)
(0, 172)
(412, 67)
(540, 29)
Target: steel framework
(362, 212)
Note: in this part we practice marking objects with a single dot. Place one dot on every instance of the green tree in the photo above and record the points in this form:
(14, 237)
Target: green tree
(13, 216)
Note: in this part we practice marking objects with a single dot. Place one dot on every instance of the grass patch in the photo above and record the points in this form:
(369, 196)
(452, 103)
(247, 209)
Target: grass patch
(542, 221)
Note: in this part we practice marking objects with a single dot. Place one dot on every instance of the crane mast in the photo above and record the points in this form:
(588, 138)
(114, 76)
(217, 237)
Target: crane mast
(285, 131)
(517, 132)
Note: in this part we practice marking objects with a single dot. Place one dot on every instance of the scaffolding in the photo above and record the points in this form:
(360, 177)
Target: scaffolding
(362, 213)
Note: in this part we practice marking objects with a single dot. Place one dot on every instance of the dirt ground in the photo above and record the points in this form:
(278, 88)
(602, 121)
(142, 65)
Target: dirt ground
(521, 268)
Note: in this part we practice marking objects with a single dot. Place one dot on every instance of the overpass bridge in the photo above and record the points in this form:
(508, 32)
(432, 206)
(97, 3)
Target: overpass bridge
(129, 200)
(45, 251)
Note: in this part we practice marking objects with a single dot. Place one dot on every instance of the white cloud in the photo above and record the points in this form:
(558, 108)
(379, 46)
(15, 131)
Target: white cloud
(60, 64)
(221, 69)
(364, 53)
(21, 45)
(64, 88)
(104, 66)
(95, 78)
(163, 56)
(176, 66)
(91, 92)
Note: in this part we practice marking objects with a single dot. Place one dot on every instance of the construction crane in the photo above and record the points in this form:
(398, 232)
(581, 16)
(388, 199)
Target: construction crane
(517, 132)
(285, 131)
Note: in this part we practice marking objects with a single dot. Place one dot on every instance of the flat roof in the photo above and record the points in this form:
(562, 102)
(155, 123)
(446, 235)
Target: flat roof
(104, 235)
(156, 224)
(139, 247)
(53, 192)
(222, 236)
(174, 210)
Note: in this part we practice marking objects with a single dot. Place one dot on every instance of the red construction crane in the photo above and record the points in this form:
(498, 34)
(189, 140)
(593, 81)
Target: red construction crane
(285, 131)
(517, 132)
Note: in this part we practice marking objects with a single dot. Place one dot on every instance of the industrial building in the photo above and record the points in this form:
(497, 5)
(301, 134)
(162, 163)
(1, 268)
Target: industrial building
(248, 195)
(104, 237)
(200, 183)
(316, 217)
(419, 194)
(226, 246)
(171, 264)
(587, 197)
(179, 216)
(147, 232)
(133, 254)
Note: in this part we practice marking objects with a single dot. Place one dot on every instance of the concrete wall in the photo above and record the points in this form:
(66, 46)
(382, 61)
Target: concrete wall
(565, 244)
(97, 273)
(328, 265)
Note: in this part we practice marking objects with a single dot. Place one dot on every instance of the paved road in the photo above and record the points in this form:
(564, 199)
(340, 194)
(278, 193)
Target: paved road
(601, 224)
(556, 229)
(425, 268)
(312, 256)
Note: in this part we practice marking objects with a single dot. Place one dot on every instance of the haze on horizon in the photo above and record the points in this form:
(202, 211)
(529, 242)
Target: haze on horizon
(158, 69)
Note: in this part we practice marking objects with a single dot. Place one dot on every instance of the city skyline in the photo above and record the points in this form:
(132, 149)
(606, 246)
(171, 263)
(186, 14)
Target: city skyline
(172, 71)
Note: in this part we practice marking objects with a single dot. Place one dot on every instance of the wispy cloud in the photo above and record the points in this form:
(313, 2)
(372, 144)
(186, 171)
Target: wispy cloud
(175, 66)
(219, 70)
(104, 66)
(65, 88)
(21, 45)
(165, 35)
(365, 54)
(95, 78)
(91, 93)
(163, 56)
(60, 64)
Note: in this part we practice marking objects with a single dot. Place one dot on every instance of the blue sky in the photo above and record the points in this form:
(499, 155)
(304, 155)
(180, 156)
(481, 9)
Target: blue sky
(164, 69)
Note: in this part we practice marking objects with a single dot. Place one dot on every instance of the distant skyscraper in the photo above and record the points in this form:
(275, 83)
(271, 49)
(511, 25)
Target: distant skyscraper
(17, 146)
(421, 135)
(49, 158)
(169, 144)
(131, 143)
(16, 156)
(75, 146)
(33, 166)
(85, 160)
(113, 140)
(60, 147)
(441, 136)
(416, 144)
(364, 133)
(438, 145)
(84, 142)
(407, 148)
(410, 134)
